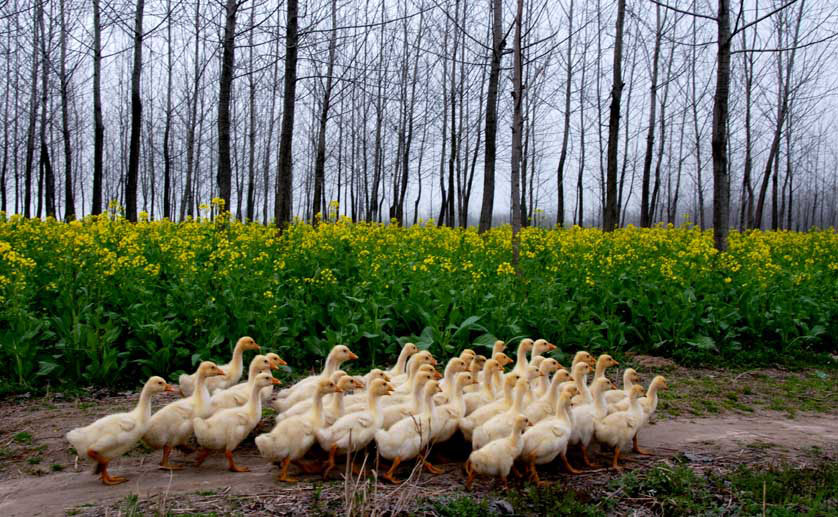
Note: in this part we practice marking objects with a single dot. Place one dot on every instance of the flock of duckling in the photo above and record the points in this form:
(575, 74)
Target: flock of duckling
(522, 416)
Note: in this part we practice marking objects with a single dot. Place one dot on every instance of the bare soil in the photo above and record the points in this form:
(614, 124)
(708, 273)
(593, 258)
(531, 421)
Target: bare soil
(40, 475)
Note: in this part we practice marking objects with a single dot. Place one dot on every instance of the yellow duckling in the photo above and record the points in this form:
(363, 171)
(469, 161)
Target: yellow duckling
(237, 395)
(232, 371)
(618, 429)
(407, 350)
(548, 438)
(227, 428)
(496, 457)
(113, 435)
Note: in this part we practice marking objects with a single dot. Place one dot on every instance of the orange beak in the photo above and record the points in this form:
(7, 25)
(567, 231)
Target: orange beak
(274, 380)
(437, 375)
(352, 356)
(551, 346)
(168, 388)
(338, 390)
(281, 362)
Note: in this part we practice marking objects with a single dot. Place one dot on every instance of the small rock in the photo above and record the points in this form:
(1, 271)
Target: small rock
(693, 457)
(501, 506)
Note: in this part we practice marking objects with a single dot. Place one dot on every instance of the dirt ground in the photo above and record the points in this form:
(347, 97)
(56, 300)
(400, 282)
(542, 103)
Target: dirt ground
(39, 475)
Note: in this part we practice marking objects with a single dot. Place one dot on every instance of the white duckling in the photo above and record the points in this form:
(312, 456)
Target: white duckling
(238, 394)
(541, 347)
(171, 426)
(521, 363)
(548, 438)
(305, 388)
(423, 357)
(446, 418)
(475, 368)
(467, 355)
(227, 428)
(538, 388)
(405, 439)
(649, 404)
(545, 405)
(479, 416)
(291, 438)
(585, 415)
(455, 366)
(401, 364)
(396, 412)
(304, 406)
(630, 377)
(604, 362)
(112, 436)
(354, 431)
(232, 370)
(496, 457)
(499, 425)
(486, 394)
(617, 429)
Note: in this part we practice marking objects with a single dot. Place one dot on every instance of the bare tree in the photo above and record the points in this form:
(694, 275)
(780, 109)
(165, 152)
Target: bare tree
(498, 44)
(610, 214)
(282, 209)
(136, 117)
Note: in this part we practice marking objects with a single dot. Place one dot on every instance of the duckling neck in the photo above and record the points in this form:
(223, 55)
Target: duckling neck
(519, 399)
(399, 368)
(652, 396)
(332, 364)
(489, 385)
(507, 394)
(521, 362)
(201, 396)
(143, 410)
(254, 403)
(317, 408)
(627, 384)
(553, 393)
(599, 402)
(237, 364)
(582, 387)
(600, 370)
(375, 407)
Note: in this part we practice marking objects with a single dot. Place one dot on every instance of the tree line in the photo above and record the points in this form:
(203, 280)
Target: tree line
(468, 112)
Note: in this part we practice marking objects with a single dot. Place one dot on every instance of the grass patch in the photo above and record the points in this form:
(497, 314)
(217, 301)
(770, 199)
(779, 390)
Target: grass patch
(463, 506)
(56, 467)
(23, 438)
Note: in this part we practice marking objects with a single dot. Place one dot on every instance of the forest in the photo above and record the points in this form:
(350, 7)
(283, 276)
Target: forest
(468, 113)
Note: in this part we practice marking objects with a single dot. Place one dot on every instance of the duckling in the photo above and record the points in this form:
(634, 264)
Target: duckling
(584, 416)
(503, 360)
(479, 416)
(227, 428)
(496, 457)
(446, 418)
(539, 387)
(304, 389)
(545, 405)
(423, 357)
(304, 406)
(407, 350)
(487, 392)
(291, 438)
(475, 367)
(171, 426)
(394, 413)
(584, 357)
(630, 376)
(499, 425)
(521, 364)
(605, 361)
(112, 436)
(618, 429)
(548, 438)
(540, 347)
(354, 431)
(649, 404)
(405, 439)
(455, 366)
(237, 395)
(467, 355)
(232, 371)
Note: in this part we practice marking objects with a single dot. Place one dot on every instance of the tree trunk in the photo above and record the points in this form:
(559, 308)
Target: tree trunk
(167, 158)
(284, 172)
(517, 127)
(225, 92)
(610, 214)
(187, 206)
(645, 211)
(30, 134)
(47, 175)
(69, 203)
(498, 44)
(721, 179)
(250, 210)
(320, 158)
(566, 128)
(136, 117)
(98, 124)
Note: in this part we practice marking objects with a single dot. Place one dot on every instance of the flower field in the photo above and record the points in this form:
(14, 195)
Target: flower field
(102, 301)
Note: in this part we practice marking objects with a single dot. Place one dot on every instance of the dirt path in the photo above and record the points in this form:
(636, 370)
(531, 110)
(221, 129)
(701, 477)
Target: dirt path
(703, 439)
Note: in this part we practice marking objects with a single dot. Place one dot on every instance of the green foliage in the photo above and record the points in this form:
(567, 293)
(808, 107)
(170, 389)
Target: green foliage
(105, 302)
(463, 506)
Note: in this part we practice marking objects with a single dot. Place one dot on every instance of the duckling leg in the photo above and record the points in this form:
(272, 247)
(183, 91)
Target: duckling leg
(430, 468)
(232, 465)
(389, 474)
(102, 469)
(283, 474)
(330, 464)
(568, 466)
(202, 455)
(470, 472)
(534, 474)
(637, 450)
(614, 464)
(504, 482)
(164, 463)
(585, 458)
(516, 472)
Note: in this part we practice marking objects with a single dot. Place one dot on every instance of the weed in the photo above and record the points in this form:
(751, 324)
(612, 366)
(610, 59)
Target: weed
(34, 460)
(463, 506)
(23, 438)
(56, 467)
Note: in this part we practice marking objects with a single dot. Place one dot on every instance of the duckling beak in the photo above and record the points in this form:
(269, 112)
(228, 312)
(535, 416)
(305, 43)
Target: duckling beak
(281, 362)
(276, 381)
(338, 389)
(550, 346)
(615, 363)
(437, 375)
(572, 378)
(274, 365)
(386, 377)
(352, 356)
(433, 362)
(168, 388)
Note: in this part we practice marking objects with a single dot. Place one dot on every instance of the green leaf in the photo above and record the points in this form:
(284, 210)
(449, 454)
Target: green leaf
(704, 343)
